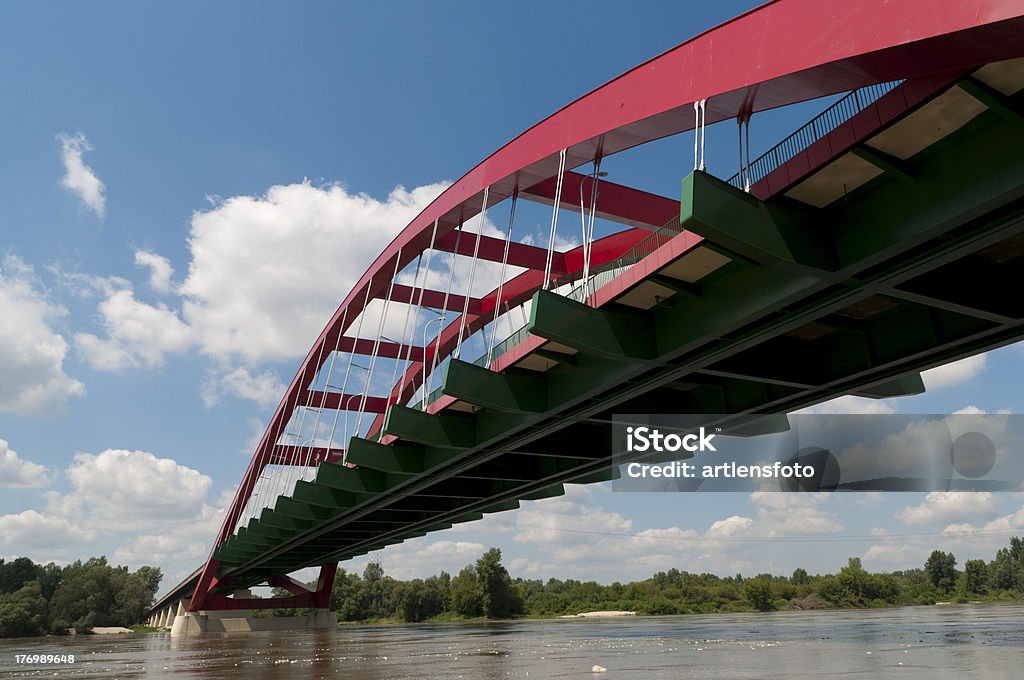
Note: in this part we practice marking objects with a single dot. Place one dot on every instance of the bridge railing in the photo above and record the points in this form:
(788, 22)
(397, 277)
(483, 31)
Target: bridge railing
(825, 122)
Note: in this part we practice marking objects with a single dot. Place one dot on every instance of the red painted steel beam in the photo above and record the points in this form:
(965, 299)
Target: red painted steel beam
(345, 402)
(364, 346)
(304, 455)
(493, 250)
(616, 203)
(433, 298)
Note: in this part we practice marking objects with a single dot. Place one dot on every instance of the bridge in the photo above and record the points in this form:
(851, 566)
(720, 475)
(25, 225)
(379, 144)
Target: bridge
(882, 238)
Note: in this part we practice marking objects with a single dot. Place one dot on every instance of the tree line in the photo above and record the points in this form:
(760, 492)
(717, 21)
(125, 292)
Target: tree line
(485, 589)
(49, 599)
(39, 599)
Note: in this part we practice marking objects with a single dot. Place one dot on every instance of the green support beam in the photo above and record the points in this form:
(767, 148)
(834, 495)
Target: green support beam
(398, 458)
(884, 162)
(324, 496)
(442, 430)
(483, 387)
(611, 334)
(756, 231)
(355, 480)
(993, 99)
(903, 386)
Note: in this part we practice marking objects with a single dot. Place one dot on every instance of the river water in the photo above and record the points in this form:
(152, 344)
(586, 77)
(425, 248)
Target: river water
(955, 641)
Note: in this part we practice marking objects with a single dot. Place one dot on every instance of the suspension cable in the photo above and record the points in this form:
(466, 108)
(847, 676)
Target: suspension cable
(327, 383)
(419, 308)
(405, 325)
(348, 369)
(376, 341)
(501, 279)
(588, 234)
(554, 218)
(472, 273)
(444, 314)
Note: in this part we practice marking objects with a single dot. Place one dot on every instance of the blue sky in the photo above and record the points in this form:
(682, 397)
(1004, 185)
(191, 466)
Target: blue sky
(188, 190)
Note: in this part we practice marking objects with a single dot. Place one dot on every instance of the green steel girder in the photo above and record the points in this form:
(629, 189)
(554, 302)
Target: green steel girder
(356, 480)
(758, 232)
(903, 386)
(961, 179)
(442, 430)
(512, 393)
(993, 99)
(290, 507)
(272, 518)
(611, 334)
(884, 162)
(399, 458)
(323, 496)
(546, 492)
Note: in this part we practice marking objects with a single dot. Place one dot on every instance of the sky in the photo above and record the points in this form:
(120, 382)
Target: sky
(187, 192)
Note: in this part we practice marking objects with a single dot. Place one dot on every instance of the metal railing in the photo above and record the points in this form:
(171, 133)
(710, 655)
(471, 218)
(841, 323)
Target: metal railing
(814, 130)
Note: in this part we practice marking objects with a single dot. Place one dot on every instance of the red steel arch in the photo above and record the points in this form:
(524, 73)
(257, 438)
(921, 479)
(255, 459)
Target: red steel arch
(780, 53)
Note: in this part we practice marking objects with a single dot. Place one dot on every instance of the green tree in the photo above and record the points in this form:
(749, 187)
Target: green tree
(16, 573)
(799, 577)
(23, 612)
(758, 592)
(467, 596)
(975, 578)
(499, 598)
(941, 570)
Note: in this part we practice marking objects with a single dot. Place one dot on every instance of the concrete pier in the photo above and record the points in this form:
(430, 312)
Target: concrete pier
(243, 621)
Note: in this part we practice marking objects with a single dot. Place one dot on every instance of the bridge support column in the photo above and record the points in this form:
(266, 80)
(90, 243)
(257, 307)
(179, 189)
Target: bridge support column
(236, 614)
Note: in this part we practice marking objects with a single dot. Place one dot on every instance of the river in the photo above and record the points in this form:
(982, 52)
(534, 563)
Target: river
(954, 641)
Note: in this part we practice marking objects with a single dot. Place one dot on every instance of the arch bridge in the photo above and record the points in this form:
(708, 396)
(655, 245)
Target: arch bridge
(882, 238)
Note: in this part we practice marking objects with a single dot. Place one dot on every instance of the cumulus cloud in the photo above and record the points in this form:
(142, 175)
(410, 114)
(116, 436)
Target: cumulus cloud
(79, 178)
(133, 505)
(955, 373)
(268, 271)
(31, 351)
(945, 506)
(17, 473)
(137, 334)
(160, 270)
(33, 530)
(264, 388)
(132, 489)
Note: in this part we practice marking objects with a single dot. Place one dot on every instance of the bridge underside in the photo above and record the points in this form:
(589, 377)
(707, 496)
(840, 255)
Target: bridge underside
(902, 253)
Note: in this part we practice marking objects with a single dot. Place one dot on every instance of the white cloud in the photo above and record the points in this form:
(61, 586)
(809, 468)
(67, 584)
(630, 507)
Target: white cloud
(138, 334)
(955, 373)
(793, 514)
(160, 270)
(944, 506)
(126, 490)
(31, 351)
(79, 178)
(734, 525)
(267, 272)
(263, 388)
(17, 473)
(32, 530)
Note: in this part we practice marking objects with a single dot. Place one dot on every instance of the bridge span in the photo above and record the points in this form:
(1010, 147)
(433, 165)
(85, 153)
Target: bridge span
(884, 237)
